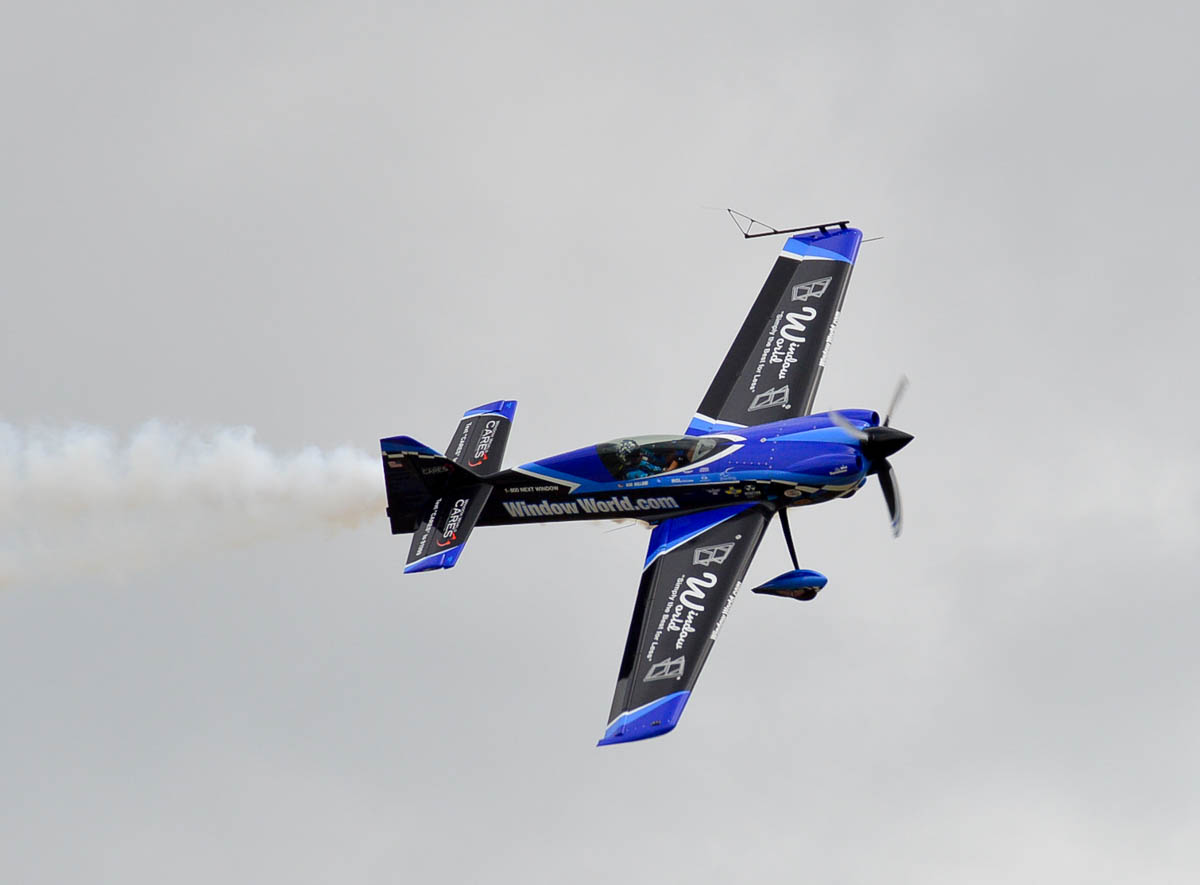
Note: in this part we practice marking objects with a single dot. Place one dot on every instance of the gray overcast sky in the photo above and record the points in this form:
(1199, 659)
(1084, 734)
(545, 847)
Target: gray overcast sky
(340, 221)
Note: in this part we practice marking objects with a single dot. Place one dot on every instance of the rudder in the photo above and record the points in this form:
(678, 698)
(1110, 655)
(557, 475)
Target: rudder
(414, 475)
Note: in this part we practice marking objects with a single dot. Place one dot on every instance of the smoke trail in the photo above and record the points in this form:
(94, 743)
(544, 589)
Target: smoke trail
(82, 501)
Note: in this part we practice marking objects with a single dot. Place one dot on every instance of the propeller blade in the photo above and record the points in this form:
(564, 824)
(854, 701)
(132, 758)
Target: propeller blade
(787, 535)
(901, 386)
(887, 482)
(843, 423)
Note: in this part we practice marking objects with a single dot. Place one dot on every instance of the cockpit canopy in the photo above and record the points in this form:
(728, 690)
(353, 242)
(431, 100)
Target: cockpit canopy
(637, 457)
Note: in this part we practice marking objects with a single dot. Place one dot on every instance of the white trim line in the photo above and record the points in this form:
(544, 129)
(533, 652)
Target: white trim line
(571, 486)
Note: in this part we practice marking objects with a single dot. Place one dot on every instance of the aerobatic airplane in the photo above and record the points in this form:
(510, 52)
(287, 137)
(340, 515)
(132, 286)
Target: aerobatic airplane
(752, 450)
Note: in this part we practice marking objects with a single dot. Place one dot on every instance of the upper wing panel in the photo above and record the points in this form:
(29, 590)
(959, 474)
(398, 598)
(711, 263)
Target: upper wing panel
(774, 366)
(693, 570)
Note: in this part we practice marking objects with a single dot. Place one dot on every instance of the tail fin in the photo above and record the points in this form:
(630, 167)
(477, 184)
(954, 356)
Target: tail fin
(414, 476)
(482, 434)
(438, 497)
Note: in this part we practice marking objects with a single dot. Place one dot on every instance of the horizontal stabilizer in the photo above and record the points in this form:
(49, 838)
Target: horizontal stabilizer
(482, 434)
(444, 526)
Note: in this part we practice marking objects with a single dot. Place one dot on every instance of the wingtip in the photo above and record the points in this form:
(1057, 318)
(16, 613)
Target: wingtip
(653, 720)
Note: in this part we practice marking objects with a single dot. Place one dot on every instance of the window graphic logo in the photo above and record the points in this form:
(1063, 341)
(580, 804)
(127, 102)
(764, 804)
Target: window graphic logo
(813, 289)
(667, 668)
(714, 555)
(776, 396)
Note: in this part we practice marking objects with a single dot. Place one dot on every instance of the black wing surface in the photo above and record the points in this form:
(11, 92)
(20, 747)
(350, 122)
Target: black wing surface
(774, 366)
(693, 570)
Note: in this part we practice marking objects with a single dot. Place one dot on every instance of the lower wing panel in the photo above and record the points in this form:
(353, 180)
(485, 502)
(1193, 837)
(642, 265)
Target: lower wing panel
(693, 570)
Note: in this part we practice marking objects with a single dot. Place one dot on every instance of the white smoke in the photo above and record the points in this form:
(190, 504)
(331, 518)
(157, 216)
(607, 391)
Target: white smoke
(82, 502)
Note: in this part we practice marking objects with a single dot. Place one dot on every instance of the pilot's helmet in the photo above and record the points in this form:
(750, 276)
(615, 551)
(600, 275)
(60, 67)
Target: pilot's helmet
(627, 450)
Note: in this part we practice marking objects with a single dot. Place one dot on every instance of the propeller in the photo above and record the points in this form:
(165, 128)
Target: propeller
(853, 432)
(901, 386)
(887, 482)
(876, 444)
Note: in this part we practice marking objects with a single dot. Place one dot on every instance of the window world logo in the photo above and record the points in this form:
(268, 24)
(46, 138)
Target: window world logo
(714, 555)
(814, 289)
(621, 504)
(776, 396)
(667, 668)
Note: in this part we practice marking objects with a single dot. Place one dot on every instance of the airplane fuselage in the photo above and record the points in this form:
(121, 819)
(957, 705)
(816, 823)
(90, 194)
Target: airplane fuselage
(789, 463)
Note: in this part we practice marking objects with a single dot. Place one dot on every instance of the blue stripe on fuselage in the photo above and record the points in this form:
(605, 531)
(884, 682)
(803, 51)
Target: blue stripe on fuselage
(754, 459)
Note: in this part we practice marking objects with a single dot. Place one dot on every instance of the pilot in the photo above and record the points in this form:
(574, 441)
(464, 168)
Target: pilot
(634, 463)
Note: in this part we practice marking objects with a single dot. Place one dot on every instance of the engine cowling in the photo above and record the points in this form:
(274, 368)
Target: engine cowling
(821, 463)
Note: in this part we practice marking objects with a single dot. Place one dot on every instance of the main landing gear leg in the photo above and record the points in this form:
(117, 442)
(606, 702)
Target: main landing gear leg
(787, 535)
(802, 584)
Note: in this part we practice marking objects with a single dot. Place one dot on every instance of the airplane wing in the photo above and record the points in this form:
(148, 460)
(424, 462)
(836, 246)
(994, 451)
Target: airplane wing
(774, 366)
(694, 567)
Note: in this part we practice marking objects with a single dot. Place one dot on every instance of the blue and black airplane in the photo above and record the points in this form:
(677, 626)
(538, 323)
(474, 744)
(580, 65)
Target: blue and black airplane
(752, 450)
